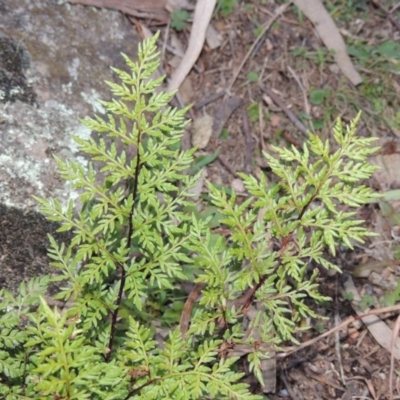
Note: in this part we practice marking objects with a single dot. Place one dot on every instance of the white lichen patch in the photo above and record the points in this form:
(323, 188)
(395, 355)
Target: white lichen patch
(93, 98)
(69, 61)
(73, 69)
(30, 138)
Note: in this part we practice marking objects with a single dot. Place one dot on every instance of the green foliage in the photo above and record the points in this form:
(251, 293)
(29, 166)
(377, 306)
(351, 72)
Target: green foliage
(253, 111)
(179, 19)
(252, 76)
(225, 7)
(138, 236)
(392, 297)
(202, 161)
(366, 301)
(320, 56)
(318, 96)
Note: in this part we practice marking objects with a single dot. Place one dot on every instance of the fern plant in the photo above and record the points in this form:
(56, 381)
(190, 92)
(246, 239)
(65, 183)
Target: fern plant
(137, 237)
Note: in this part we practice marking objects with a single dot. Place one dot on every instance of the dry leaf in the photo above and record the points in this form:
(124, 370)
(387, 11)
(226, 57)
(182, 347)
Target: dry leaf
(201, 131)
(213, 37)
(275, 120)
(364, 270)
(387, 175)
(224, 111)
(238, 186)
(377, 328)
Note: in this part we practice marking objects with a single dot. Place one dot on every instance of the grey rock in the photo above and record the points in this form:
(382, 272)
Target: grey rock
(54, 59)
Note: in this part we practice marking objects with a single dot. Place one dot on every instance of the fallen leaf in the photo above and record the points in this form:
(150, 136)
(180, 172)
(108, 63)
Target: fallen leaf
(223, 113)
(238, 186)
(202, 130)
(387, 175)
(377, 328)
(213, 37)
(363, 270)
(275, 120)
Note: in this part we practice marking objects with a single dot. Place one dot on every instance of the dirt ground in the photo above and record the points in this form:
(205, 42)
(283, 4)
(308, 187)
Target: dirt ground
(292, 61)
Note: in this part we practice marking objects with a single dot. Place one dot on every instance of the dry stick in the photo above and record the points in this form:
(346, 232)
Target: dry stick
(337, 338)
(395, 8)
(324, 380)
(266, 26)
(337, 350)
(126, 7)
(175, 52)
(228, 166)
(276, 99)
(261, 123)
(395, 333)
(367, 383)
(249, 143)
(392, 19)
(195, 293)
(294, 349)
(297, 79)
(221, 116)
(290, 140)
(209, 100)
(187, 309)
(164, 44)
(287, 386)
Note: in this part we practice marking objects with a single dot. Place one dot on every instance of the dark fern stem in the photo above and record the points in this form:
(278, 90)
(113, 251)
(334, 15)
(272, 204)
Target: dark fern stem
(130, 233)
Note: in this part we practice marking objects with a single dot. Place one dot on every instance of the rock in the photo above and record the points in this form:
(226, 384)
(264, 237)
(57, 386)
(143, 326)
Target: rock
(54, 59)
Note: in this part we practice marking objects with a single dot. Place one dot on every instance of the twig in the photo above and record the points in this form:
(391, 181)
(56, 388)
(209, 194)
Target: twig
(391, 18)
(337, 349)
(294, 349)
(267, 25)
(287, 386)
(289, 139)
(394, 8)
(209, 100)
(223, 113)
(337, 338)
(176, 52)
(324, 380)
(126, 7)
(395, 333)
(249, 143)
(187, 309)
(261, 123)
(276, 99)
(228, 166)
(297, 79)
(162, 56)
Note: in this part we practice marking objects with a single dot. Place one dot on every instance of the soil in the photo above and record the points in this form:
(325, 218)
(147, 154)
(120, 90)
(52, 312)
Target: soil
(23, 246)
(350, 365)
(292, 61)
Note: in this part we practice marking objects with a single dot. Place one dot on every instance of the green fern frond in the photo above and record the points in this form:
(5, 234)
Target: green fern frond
(138, 236)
